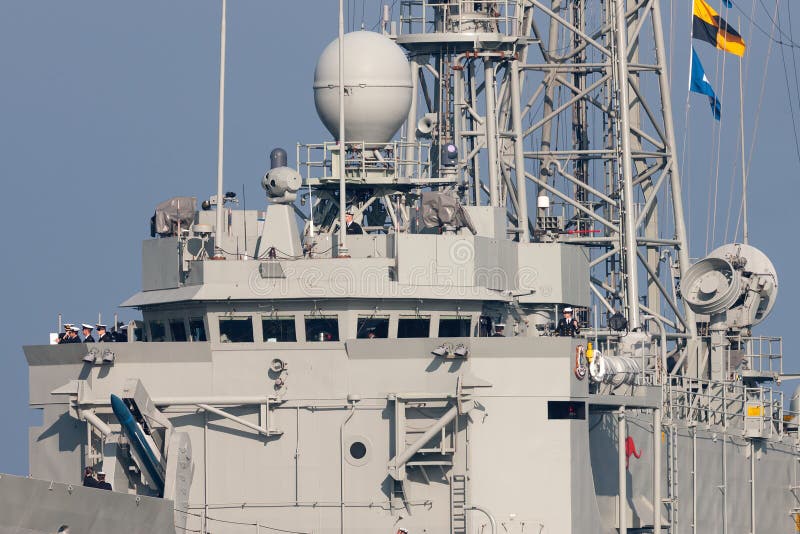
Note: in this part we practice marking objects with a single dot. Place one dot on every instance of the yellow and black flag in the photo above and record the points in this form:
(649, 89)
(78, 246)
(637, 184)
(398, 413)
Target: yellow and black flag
(708, 26)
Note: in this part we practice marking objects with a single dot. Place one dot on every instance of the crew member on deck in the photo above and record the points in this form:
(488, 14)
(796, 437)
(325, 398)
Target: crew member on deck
(63, 337)
(352, 226)
(101, 481)
(102, 334)
(567, 325)
(87, 333)
(88, 478)
(499, 330)
(72, 335)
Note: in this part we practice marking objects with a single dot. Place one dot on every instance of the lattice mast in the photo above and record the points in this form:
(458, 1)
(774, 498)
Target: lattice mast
(544, 87)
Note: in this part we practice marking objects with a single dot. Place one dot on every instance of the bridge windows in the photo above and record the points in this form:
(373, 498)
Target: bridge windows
(292, 326)
(278, 328)
(158, 332)
(372, 327)
(414, 326)
(236, 329)
(178, 329)
(197, 329)
(322, 328)
(454, 326)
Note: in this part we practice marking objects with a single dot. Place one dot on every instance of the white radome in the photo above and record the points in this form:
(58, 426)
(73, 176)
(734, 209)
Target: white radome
(377, 80)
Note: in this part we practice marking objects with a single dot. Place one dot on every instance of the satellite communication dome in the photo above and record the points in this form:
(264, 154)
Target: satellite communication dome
(377, 81)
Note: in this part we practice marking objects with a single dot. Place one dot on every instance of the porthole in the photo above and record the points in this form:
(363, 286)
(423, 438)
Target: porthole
(357, 450)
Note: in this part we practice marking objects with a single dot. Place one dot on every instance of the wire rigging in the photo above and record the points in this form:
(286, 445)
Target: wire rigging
(788, 87)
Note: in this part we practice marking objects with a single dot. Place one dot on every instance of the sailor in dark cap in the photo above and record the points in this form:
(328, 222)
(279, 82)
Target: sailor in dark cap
(101, 481)
(567, 325)
(352, 226)
(87, 333)
(499, 329)
(88, 478)
(72, 335)
(103, 336)
(63, 337)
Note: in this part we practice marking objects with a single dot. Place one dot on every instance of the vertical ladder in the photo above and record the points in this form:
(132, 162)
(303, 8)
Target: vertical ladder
(458, 503)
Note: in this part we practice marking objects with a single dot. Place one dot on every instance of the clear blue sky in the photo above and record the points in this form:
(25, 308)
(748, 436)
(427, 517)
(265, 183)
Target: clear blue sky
(109, 107)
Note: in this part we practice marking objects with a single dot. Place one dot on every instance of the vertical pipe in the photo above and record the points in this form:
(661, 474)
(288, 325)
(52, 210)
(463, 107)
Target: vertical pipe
(351, 411)
(657, 470)
(519, 154)
(752, 487)
(724, 480)
(458, 116)
(221, 132)
(675, 181)
(491, 131)
(622, 472)
(60, 324)
(476, 169)
(342, 188)
(411, 121)
(694, 480)
(629, 218)
(297, 456)
(745, 232)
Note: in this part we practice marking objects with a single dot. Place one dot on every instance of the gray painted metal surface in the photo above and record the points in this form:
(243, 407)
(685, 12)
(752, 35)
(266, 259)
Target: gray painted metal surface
(416, 382)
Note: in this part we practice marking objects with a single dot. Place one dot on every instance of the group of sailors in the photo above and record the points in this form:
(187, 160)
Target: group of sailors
(91, 482)
(71, 334)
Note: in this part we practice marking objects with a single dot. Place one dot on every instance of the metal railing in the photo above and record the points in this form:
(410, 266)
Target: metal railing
(365, 161)
(764, 354)
(752, 411)
(460, 16)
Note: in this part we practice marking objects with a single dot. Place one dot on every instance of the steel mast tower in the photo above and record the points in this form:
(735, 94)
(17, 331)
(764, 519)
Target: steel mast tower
(569, 101)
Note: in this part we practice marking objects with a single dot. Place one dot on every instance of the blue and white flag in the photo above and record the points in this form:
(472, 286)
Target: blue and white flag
(700, 84)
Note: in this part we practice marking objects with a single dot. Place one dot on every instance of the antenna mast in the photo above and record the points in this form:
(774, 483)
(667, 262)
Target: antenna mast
(220, 141)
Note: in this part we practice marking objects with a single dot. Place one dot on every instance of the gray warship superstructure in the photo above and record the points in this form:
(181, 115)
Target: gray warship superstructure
(290, 376)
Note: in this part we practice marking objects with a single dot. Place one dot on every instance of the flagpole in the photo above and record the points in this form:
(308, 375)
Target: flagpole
(342, 150)
(745, 233)
(220, 140)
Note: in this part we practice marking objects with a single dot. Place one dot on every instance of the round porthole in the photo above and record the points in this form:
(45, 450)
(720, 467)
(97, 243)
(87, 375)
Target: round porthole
(358, 450)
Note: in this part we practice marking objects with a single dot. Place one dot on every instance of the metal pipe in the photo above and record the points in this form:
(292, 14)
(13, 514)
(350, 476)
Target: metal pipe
(663, 335)
(221, 133)
(194, 401)
(519, 154)
(752, 487)
(675, 182)
(622, 472)
(657, 426)
(491, 131)
(226, 415)
(629, 227)
(745, 232)
(91, 418)
(342, 146)
(724, 476)
(485, 512)
(411, 120)
(657, 470)
(694, 480)
(341, 465)
(476, 168)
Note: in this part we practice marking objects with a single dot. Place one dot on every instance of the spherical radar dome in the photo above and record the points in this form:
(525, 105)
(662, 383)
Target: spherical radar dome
(377, 80)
